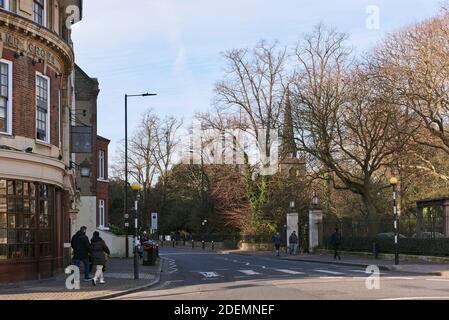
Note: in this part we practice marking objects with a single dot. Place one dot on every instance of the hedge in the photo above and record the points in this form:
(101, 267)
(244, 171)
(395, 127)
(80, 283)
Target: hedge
(431, 247)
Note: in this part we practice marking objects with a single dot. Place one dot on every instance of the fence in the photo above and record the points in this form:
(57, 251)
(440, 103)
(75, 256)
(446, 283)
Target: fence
(355, 236)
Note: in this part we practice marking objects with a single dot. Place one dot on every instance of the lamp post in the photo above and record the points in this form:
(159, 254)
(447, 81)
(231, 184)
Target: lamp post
(136, 188)
(314, 201)
(125, 207)
(204, 232)
(393, 183)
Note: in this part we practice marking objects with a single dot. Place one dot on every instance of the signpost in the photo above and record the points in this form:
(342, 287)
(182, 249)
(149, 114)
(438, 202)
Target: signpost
(154, 223)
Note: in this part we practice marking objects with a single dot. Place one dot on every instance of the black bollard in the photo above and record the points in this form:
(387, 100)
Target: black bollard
(193, 244)
(204, 245)
(212, 245)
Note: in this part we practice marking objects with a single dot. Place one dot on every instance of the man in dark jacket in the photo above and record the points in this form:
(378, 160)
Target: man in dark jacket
(335, 243)
(99, 249)
(293, 239)
(81, 249)
(277, 242)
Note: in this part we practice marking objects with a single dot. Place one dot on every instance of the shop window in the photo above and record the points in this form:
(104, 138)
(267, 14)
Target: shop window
(25, 219)
(42, 108)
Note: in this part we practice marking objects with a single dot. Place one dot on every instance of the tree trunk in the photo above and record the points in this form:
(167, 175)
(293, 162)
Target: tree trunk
(373, 217)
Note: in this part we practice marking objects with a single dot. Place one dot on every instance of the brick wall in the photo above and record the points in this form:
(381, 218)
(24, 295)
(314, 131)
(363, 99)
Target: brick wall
(24, 97)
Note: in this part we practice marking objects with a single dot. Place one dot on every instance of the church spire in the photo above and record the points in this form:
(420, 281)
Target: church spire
(288, 147)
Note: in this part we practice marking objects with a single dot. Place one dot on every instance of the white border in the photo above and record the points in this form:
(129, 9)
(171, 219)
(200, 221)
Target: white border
(47, 134)
(10, 98)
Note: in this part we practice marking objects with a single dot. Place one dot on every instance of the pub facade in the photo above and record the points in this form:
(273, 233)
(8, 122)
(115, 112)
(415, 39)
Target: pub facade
(37, 176)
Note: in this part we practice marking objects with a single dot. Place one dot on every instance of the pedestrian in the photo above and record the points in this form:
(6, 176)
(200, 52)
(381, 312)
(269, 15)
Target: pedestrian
(293, 243)
(144, 238)
(335, 243)
(99, 249)
(81, 250)
(277, 242)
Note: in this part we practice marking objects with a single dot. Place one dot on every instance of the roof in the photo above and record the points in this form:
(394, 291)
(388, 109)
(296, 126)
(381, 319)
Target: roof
(103, 138)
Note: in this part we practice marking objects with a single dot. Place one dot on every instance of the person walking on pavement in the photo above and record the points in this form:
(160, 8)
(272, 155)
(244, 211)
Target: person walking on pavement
(99, 249)
(293, 243)
(81, 250)
(335, 243)
(277, 242)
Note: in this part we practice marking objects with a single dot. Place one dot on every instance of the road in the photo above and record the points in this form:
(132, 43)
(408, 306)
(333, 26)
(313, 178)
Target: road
(197, 275)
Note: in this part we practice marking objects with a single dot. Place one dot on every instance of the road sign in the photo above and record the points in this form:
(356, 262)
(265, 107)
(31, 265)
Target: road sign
(154, 221)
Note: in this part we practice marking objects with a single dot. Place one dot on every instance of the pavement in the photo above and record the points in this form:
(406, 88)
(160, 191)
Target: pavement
(119, 279)
(413, 267)
(228, 275)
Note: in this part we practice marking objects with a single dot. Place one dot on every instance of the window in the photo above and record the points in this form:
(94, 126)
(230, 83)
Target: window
(101, 164)
(101, 212)
(4, 4)
(39, 12)
(5, 94)
(26, 215)
(42, 108)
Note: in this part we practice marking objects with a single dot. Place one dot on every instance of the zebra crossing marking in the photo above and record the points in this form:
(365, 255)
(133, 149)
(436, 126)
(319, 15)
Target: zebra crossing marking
(249, 272)
(328, 271)
(289, 271)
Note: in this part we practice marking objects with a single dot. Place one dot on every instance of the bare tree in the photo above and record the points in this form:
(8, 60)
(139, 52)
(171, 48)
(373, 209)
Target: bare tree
(341, 118)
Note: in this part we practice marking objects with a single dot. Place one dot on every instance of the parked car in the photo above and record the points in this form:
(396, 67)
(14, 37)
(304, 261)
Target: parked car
(428, 235)
(390, 235)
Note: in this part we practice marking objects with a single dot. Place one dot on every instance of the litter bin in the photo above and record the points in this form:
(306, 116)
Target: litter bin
(150, 253)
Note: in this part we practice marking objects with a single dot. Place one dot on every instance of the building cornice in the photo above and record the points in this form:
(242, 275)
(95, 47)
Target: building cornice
(45, 36)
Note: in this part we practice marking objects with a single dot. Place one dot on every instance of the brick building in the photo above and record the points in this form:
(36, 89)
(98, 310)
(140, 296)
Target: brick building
(37, 179)
(91, 157)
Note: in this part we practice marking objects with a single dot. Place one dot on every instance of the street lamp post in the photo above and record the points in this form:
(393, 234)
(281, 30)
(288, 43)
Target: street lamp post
(125, 207)
(393, 183)
(204, 233)
(136, 188)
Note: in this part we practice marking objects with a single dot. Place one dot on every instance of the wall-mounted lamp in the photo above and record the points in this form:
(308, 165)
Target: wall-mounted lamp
(58, 75)
(17, 55)
(34, 62)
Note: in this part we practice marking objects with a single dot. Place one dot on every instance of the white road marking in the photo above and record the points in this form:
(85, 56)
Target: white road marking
(210, 274)
(331, 277)
(247, 263)
(418, 298)
(363, 271)
(327, 271)
(289, 271)
(400, 278)
(443, 280)
(249, 272)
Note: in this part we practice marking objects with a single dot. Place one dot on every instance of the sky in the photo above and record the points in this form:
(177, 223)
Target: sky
(173, 47)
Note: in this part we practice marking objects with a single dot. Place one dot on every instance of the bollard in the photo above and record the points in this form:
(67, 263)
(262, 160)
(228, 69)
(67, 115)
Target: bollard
(193, 244)
(212, 245)
(204, 245)
(375, 250)
(173, 244)
(162, 243)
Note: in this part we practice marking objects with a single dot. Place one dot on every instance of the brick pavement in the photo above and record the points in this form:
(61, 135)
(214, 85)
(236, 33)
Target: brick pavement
(119, 279)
